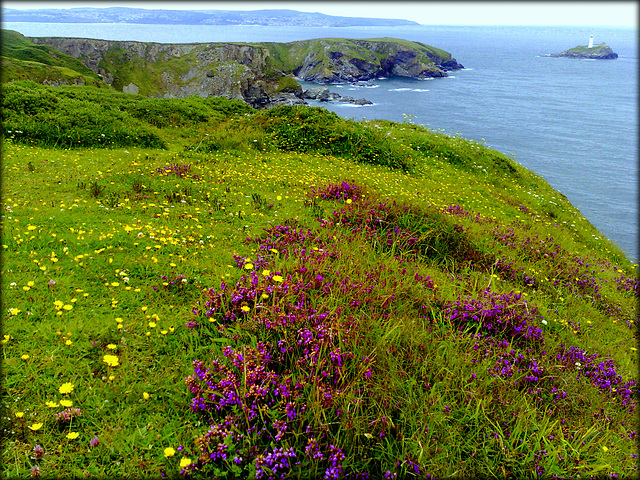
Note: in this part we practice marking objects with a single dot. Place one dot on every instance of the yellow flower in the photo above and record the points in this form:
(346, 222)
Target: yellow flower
(111, 360)
(66, 388)
(145, 395)
(245, 309)
(111, 346)
(35, 426)
(185, 462)
(152, 325)
(19, 414)
(51, 404)
(605, 449)
(72, 435)
(68, 307)
(66, 403)
(248, 266)
(348, 200)
(277, 278)
(169, 452)
(266, 273)
(25, 356)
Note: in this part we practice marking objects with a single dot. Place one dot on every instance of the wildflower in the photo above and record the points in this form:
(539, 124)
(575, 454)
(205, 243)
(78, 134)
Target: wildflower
(38, 451)
(111, 360)
(66, 403)
(35, 471)
(248, 266)
(277, 278)
(111, 346)
(66, 388)
(185, 462)
(14, 311)
(145, 395)
(25, 356)
(266, 273)
(51, 404)
(169, 452)
(605, 449)
(19, 414)
(35, 426)
(72, 435)
(94, 442)
(245, 309)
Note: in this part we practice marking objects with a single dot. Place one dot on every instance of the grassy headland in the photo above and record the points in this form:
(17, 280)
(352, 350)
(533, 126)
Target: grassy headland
(192, 287)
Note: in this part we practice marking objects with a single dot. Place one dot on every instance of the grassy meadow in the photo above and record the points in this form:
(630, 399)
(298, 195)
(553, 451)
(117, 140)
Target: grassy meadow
(193, 288)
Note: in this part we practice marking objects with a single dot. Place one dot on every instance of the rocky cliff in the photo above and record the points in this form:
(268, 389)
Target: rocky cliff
(253, 72)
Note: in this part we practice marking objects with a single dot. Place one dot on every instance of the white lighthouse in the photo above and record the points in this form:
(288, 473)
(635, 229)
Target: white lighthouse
(591, 41)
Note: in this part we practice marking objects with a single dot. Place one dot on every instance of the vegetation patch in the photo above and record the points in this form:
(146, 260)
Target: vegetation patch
(215, 291)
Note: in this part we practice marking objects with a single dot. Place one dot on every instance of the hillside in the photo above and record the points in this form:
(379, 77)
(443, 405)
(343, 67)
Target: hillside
(22, 60)
(194, 288)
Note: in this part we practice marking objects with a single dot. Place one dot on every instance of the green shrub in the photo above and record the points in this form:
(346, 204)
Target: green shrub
(307, 129)
(39, 115)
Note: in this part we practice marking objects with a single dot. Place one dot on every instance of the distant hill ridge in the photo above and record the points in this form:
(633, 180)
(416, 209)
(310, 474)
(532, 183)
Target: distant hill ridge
(265, 17)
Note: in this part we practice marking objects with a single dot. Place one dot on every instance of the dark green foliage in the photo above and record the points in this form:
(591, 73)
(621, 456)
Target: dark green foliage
(39, 115)
(72, 116)
(306, 129)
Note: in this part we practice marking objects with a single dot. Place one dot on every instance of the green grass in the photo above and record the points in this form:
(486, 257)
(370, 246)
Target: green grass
(110, 249)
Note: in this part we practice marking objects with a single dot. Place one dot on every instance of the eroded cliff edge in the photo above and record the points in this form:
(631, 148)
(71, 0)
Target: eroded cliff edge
(259, 73)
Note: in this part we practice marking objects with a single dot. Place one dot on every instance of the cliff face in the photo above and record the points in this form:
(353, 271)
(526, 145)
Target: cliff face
(251, 72)
(339, 60)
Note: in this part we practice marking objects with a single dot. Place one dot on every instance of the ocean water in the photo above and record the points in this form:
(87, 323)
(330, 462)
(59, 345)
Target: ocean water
(574, 122)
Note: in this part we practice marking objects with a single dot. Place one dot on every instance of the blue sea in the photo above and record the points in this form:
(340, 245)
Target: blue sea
(574, 122)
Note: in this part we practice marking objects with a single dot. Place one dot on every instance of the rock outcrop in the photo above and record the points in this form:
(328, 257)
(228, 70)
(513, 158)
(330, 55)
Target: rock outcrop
(251, 72)
(597, 52)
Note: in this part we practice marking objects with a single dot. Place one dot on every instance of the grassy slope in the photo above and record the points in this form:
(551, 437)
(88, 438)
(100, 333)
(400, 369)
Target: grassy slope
(22, 60)
(111, 251)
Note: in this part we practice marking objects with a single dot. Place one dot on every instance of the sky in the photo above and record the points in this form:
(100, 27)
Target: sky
(624, 13)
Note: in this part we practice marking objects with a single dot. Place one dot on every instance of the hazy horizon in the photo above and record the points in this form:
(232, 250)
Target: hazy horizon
(622, 14)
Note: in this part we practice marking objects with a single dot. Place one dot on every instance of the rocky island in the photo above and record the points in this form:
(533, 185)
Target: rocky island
(261, 74)
(594, 52)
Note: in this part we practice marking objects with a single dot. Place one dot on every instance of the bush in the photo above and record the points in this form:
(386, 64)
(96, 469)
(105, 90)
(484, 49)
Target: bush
(40, 115)
(313, 129)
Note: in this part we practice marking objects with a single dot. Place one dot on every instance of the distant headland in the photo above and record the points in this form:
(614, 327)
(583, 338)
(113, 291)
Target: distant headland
(591, 51)
(281, 18)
